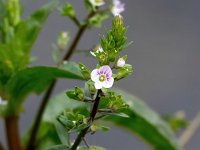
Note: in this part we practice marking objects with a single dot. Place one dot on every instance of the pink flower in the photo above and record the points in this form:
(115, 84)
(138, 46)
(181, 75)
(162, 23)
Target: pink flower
(102, 77)
(121, 62)
(117, 8)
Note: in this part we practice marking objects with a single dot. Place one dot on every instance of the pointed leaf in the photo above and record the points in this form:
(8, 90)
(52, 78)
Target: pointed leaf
(58, 147)
(34, 79)
(146, 123)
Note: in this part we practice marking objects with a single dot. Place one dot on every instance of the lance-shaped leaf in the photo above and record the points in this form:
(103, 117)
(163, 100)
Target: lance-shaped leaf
(145, 123)
(142, 120)
(34, 79)
(14, 53)
(29, 28)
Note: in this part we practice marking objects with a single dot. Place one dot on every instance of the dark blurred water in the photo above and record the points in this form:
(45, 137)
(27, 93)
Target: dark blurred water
(165, 55)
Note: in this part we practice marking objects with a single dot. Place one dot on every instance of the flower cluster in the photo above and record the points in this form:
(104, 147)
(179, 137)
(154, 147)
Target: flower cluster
(110, 68)
(116, 9)
(107, 53)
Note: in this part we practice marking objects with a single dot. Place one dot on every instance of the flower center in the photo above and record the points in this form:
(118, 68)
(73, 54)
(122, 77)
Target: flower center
(102, 78)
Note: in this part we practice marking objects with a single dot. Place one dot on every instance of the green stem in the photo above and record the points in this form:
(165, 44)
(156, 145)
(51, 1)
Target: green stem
(76, 21)
(77, 38)
(82, 133)
(11, 123)
(32, 139)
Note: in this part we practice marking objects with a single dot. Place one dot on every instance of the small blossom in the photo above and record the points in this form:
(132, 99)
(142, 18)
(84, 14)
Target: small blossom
(97, 2)
(117, 8)
(102, 77)
(121, 62)
(99, 50)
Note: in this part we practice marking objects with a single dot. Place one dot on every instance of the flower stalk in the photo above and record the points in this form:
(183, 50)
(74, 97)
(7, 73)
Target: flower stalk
(93, 113)
(72, 48)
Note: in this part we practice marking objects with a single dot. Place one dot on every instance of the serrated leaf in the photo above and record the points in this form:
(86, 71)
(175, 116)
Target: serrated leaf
(72, 67)
(34, 79)
(117, 114)
(58, 147)
(15, 51)
(90, 148)
(142, 120)
(146, 123)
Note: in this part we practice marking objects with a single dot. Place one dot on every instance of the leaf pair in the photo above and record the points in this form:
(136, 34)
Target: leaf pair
(142, 120)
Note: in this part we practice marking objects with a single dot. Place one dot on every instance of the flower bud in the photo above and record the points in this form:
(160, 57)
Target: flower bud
(123, 71)
(121, 62)
(63, 38)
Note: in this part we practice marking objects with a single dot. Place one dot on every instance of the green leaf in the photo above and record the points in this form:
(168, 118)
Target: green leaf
(58, 147)
(146, 123)
(14, 11)
(62, 133)
(76, 94)
(14, 53)
(2, 15)
(29, 29)
(142, 120)
(34, 79)
(55, 107)
(47, 136)
(116, 114)
(67, 10)
(85, 71)
(55, 54)
(176, 121)
(72, 67)
(97, 19)
(91, 148)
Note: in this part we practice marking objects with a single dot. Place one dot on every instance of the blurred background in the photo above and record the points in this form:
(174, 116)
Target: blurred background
(165, 55)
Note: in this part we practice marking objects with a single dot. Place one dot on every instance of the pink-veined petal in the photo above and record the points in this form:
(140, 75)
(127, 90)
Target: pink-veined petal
(94, 75)
(106, 70)
(108, 83)
(98, 85)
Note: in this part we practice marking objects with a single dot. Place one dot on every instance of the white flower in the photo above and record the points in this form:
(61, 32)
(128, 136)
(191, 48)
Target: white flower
(99, 50)
(3, 102)
(64, 35)
(97, 2)
(102, 77)
(117, 8)
(121, 62)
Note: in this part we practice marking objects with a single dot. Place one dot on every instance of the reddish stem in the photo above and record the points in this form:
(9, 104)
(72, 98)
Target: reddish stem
(12, 132)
